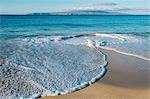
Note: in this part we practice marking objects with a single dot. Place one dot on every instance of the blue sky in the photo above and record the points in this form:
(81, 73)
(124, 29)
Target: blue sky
(30, 6)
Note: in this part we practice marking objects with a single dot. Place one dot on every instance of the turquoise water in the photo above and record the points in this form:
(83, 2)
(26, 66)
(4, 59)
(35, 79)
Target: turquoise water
(53, 55)
(134, 29)
(14, 26)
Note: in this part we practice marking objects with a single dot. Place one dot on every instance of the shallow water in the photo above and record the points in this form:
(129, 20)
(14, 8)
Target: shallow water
(33, 67)
(37, 51)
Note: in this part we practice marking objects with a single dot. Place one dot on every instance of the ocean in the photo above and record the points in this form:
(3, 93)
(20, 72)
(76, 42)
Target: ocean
(31, 26)
(53, 55)
(16, 26)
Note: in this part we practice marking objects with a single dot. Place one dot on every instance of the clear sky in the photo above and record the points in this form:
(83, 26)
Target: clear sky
(30, 6)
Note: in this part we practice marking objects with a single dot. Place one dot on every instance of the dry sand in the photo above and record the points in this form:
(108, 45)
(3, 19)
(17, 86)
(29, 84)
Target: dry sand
(128, 77)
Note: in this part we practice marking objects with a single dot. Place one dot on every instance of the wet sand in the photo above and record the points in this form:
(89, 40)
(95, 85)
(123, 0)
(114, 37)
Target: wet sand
(127, 78)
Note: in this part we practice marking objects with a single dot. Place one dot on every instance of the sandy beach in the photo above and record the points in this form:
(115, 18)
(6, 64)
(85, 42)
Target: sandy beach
(127, 78)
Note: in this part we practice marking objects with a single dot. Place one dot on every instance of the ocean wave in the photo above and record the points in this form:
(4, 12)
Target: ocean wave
(124, 43)
(53, 65)
(39, 66)
(50, 24)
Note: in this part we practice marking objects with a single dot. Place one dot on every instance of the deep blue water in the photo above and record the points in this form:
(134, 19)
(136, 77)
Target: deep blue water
(14, 26)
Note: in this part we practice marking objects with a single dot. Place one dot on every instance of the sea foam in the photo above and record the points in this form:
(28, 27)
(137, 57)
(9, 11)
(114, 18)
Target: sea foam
(42, 66)
(53, 65)
(128, 44)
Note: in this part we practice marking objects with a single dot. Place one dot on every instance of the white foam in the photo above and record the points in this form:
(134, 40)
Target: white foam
(130, 54)
(41, 67)
(117, 36)
(37, 58)
(130, 44)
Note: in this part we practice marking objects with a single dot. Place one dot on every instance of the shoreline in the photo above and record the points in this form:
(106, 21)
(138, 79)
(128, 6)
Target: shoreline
(116, 36)
(122, 62)
(125, 79)
(124, 53)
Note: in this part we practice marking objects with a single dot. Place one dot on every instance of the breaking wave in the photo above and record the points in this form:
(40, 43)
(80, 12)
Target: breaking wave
(40, 66)
(128, 44)
(52, 65)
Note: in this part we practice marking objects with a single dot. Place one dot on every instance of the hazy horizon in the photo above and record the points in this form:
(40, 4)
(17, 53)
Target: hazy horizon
(38, 6)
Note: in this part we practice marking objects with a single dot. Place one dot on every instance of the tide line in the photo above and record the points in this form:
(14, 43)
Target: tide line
(112, 49)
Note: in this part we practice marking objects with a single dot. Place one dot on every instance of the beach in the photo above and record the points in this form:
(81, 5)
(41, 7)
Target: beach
(127, 77)
(74, 57)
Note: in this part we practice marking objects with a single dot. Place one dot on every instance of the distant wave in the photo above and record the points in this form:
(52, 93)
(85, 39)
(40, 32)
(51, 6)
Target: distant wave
(52, 24)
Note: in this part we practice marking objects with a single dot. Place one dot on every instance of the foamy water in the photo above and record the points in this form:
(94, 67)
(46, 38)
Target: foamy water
(52, 65)
(39, 55)
(124, 43)
(41, 66)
